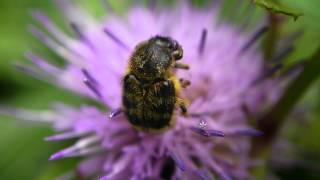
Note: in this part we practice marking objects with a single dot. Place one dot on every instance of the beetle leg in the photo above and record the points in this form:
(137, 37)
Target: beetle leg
(184, 83)
(181, 66)
(182, 106)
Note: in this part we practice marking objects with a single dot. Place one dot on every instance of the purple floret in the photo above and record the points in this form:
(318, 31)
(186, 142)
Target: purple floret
(223, 62)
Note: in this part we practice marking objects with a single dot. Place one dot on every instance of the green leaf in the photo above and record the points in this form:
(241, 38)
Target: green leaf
(278, 8)
(305, 45)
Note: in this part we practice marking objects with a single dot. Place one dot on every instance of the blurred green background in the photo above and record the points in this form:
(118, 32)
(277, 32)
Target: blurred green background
(24, 154)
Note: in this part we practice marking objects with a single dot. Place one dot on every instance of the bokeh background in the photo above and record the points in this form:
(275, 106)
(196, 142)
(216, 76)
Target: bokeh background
(23, 152)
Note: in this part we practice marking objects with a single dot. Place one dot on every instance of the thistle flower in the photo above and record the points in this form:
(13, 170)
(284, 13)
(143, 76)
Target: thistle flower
(212, 141)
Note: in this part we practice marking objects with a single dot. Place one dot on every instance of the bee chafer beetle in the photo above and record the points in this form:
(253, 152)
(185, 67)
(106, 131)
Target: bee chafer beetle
(151, 91)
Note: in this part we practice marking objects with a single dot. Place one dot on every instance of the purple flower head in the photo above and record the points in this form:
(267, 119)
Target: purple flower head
(211, 141)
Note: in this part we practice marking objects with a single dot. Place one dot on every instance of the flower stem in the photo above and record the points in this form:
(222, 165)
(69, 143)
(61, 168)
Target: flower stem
(273, 35)
(272, 122)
